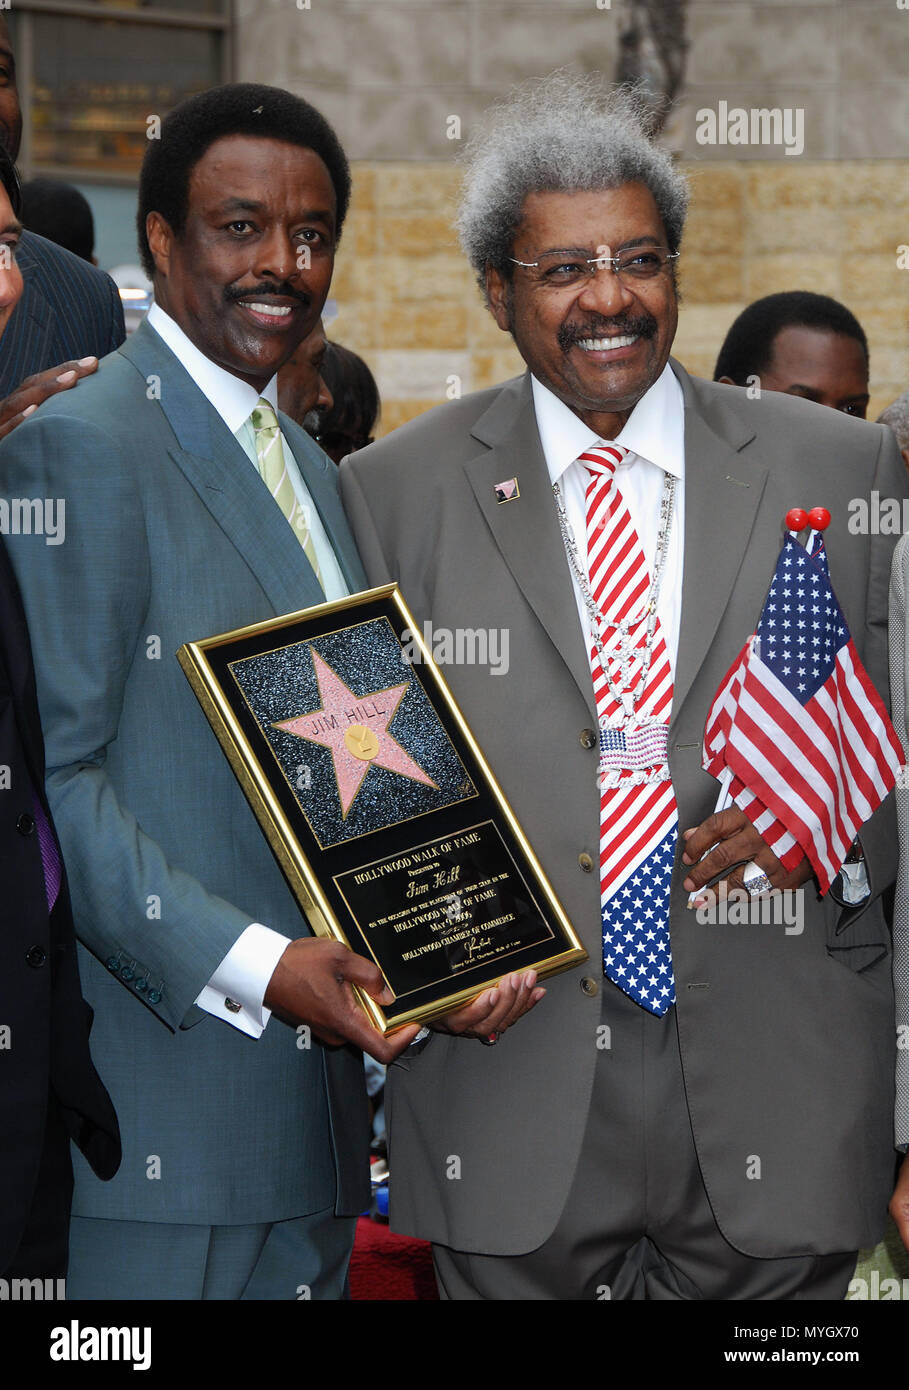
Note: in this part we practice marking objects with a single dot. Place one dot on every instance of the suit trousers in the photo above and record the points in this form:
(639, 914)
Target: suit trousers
(637, 1223)
(41, 1253)
(303, 1258)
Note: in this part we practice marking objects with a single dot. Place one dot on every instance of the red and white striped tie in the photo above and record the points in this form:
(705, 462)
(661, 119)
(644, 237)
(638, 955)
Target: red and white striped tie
(638, 819)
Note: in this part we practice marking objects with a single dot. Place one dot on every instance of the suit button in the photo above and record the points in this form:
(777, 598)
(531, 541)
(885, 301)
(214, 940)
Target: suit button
(588, 738)
(586, 863)
(589, 985)
(154, 997)
(36, 957)
(141, 986)
(26, 824)
(127, 974)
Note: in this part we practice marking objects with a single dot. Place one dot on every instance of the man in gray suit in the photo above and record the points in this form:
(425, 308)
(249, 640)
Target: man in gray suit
(736, 1143)
(899, 684)
(245, 1141)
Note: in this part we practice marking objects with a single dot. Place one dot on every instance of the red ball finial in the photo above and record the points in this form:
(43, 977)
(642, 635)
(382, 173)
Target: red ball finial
(819, 517)
(796, 519)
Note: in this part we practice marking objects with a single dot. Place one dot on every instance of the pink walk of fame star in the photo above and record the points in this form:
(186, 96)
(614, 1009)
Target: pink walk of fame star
(355, 729)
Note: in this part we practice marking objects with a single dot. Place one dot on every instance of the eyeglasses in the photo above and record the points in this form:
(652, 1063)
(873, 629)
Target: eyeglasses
(560, 270)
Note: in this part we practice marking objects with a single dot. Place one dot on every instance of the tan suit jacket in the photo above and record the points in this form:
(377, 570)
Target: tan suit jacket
(786, 1040)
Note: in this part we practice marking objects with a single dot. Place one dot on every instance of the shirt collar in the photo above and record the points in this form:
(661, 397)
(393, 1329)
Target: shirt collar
(233, 399)
(655, 429)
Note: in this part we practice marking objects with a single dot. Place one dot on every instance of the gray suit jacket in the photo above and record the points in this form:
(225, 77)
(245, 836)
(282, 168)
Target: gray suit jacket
(171, 537)
(899, 678)
(786, 1040)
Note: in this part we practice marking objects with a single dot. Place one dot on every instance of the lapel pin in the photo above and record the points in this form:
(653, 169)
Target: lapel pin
(507, 491)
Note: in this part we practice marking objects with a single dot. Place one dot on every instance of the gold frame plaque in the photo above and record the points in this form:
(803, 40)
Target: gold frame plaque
(382, 812)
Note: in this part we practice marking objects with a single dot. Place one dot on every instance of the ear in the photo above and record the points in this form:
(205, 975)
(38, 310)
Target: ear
(726, 380)
(498, 298)
(160, 239)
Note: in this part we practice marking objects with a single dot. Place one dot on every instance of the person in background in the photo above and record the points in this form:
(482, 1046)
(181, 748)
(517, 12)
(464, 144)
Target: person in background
(350, 422)
(302, 393)
(10, 234)
(69, 314)
(50, 1092)
(899, 686)
(60, 213)
(803, 344)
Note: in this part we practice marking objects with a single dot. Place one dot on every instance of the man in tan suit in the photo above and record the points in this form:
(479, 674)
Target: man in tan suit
(734, 1144)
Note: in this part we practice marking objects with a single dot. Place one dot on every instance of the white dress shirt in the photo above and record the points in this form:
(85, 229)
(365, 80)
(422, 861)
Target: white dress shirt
(236, 991)
(235, 400)
(654, 435)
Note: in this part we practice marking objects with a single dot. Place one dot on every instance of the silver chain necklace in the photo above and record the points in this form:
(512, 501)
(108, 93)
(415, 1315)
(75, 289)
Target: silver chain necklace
(627, 698)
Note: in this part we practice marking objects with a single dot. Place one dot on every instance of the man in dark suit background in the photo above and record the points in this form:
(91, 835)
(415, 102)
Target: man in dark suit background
(70, 313)
(49, 1090)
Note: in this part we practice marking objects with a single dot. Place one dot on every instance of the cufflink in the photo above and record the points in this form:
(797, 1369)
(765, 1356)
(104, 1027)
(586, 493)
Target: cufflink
(232, 1005)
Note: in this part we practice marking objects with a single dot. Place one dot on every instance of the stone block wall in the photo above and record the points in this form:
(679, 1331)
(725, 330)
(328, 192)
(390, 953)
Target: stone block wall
(408, 303)
(405, 81)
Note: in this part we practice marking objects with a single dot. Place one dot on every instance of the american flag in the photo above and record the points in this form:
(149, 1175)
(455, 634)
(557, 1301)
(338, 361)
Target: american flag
(796, 728)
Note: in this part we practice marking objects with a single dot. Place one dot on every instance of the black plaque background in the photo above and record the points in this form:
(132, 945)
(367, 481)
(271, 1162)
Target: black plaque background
(394, 840)
(436, 965)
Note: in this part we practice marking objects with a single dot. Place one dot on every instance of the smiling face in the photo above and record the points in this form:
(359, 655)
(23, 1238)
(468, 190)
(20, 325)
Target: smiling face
(600, 345)
(236, 279)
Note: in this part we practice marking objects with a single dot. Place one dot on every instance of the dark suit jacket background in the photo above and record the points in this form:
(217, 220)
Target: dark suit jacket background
(40, 1003)
(69, 309)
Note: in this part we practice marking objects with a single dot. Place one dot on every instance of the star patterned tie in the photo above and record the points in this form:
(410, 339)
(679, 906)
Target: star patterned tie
(273, 470)
(638, 815)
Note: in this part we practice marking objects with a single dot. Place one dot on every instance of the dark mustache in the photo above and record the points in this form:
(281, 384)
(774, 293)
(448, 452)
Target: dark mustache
(571, 332)
(266, 291)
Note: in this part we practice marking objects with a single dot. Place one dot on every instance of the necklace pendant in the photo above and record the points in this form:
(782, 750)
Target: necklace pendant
(628, 702)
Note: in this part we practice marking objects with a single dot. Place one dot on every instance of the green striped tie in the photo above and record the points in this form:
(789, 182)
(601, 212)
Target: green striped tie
(273, 469)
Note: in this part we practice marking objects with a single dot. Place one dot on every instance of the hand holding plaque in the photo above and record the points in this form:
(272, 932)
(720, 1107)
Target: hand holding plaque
(383, 814)
(494, 1011)
(313, 983)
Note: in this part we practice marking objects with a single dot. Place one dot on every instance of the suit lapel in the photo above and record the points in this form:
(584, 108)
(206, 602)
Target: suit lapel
(217, 467)
(526, 530)
(722, 495)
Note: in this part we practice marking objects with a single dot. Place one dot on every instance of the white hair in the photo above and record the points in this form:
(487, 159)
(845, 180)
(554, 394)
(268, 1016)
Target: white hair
(897, 417)
(561, 134)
